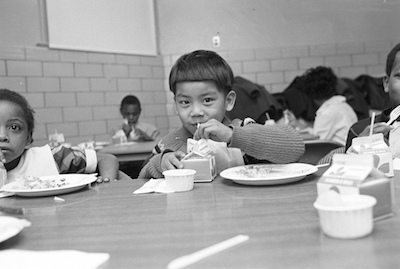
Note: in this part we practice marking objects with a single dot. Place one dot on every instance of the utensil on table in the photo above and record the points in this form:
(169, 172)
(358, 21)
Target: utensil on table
(394, 115)
(187, 260)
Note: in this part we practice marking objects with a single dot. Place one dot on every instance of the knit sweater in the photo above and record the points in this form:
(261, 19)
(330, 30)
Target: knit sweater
(267, 143)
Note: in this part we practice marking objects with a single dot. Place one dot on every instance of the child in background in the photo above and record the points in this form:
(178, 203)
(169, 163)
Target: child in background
(19, 157)
(334, 116)
(391, 84)
(132, 129)
(202, 85)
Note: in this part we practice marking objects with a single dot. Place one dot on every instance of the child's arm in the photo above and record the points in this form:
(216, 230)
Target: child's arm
(126, 128)
(108, 167)
(274, 143)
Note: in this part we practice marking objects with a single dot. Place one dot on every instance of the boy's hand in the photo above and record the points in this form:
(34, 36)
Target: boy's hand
(214, 130)
(379, 127)
(171, 160)
(2, 157)
(127, 129)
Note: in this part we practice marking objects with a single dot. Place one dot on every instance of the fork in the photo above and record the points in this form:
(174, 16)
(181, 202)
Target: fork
(394, 115)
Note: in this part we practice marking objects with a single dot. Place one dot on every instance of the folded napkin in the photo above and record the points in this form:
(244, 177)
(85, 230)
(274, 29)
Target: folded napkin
(5, 194)
(154, 185)
(60, 259)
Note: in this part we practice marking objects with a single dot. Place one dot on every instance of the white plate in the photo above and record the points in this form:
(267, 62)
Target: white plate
(74, 182)
(10, 226)
(268, 174)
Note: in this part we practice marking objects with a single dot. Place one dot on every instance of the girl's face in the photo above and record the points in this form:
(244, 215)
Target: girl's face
(14, 134)
(130, 113)
(200, 101)
(392, 83)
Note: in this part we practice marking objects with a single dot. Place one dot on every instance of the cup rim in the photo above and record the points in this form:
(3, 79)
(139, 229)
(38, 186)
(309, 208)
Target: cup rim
(368, 201)
(179, 172)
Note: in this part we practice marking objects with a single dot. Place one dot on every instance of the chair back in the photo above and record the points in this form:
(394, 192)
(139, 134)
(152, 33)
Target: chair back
(317, 149)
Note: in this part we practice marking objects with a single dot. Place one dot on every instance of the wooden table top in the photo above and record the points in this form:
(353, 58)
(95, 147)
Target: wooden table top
(130, 151)
(150, 230)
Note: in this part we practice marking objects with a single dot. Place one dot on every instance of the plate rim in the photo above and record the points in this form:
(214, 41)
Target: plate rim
(88, 178)
(313, 169)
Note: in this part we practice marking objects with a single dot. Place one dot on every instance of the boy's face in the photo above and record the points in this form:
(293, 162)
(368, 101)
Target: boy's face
(14, 134)
(131, 113)
(200, 101)
(392, 83)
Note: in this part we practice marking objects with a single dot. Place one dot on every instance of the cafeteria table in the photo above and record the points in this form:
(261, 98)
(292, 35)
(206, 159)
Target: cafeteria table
(130, 151)
(150, 230)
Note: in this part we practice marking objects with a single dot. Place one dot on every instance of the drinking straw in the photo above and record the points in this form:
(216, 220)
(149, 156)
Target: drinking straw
(372, 124)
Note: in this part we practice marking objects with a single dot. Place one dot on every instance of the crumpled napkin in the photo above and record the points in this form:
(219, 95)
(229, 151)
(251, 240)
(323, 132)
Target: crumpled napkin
(60, 259)
(154, 185)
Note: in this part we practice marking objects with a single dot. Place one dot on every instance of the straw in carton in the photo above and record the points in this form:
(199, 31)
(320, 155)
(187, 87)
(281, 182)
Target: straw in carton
(372, 124)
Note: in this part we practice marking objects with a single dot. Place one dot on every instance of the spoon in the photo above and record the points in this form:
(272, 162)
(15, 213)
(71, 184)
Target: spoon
(394, 115)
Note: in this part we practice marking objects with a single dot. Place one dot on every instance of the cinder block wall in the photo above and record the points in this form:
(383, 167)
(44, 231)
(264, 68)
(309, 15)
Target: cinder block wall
(79, 93)
(275, 68)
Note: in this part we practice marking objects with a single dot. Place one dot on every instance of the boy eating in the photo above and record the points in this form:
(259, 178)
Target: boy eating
(202, 85)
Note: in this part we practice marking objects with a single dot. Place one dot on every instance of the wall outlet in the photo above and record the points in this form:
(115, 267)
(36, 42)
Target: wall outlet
(216, 41)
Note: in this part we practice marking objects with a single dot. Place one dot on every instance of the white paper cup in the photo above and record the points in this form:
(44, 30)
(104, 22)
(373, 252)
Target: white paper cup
(354, 220)
(179, 179)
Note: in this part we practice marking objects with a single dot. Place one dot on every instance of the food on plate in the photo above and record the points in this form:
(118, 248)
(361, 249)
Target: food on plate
(26, 182)
(257, 171)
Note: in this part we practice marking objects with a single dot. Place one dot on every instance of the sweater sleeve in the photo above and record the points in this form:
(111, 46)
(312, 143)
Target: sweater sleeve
(152, 169)
(274, 143)
(172, 142)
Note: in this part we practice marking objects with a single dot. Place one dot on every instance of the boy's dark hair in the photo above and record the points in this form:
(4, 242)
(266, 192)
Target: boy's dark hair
(201, 65)
(130, 100)
(390, 59)
(319, 83)
(18, 99)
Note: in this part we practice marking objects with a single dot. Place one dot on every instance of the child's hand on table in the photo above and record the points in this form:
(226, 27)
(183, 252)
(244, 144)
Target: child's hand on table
(215, 130)
(171, 160)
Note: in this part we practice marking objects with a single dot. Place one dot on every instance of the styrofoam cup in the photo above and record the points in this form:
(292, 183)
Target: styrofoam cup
(354, 220)
(179, 179)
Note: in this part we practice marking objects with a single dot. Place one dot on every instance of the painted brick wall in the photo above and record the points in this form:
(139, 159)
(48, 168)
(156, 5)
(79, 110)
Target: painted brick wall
(78, 93)
(275, 68)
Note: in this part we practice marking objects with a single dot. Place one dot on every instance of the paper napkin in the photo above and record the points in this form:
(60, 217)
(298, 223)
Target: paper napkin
(60, 259)
(5, 194)
(154, 185)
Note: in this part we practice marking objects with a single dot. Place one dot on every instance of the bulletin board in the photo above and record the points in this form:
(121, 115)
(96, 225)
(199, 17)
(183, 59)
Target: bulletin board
(112, 26)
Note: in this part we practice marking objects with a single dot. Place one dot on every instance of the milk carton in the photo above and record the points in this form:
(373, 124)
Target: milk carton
(375, 145)
(356, 174)
(209, 158)
(200, 158)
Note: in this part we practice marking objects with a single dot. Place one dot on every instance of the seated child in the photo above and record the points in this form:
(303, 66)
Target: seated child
(391, 84)
(334, 116)
(202, 85)
(19, 157)
(132, 129)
